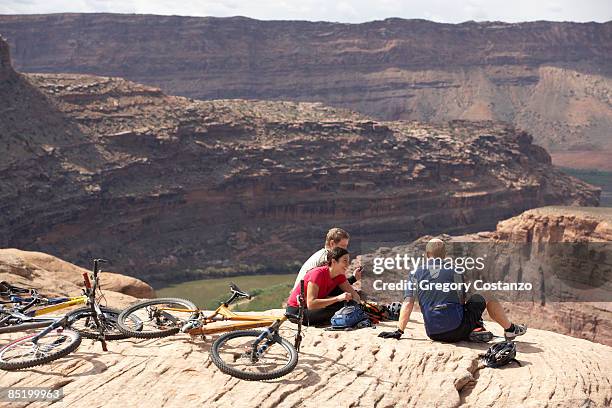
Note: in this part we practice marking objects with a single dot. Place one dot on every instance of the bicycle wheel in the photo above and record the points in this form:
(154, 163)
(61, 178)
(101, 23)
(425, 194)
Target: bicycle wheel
(23, 353)
(155, 318)
(231, 352)
(83, 322)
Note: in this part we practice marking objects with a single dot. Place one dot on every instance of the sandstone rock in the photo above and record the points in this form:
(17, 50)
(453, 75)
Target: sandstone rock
(127, 285)
(558, 224)
(52, 276)
(341, 369)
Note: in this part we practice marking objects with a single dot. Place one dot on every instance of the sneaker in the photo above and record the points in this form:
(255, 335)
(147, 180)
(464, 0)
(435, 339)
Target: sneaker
(481, 335)
(519, 330)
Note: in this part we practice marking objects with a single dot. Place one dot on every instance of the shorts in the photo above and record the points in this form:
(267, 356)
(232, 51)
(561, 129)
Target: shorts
(472, 318)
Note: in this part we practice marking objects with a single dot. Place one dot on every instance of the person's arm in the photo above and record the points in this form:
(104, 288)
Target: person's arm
(405, 313)
(313, 303)
(346, 287)
(356, 275)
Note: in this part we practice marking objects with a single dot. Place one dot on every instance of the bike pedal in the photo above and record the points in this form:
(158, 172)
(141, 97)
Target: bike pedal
(193, 324)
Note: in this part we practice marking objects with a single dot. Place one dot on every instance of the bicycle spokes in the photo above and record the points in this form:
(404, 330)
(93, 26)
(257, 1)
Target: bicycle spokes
(26, 350)
(240, 353)
(161, 317)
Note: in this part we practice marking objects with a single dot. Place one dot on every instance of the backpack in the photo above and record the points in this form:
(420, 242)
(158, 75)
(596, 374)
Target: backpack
(374, 312)
(440, 314)
(348, 317)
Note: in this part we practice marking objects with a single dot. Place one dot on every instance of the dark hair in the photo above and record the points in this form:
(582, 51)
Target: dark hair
(336, 254)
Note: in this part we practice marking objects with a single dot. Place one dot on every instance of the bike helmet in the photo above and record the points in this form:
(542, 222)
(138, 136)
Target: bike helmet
(394, 310)
(500, 354)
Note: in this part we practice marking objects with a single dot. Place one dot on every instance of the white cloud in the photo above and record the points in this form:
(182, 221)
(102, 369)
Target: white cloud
(554, 7)
(451, 11)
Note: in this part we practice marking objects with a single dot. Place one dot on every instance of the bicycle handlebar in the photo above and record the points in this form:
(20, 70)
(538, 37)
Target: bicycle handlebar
(234, 288)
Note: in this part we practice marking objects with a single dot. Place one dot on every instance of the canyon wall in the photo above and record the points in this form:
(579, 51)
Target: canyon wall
(551, 79)
(172, 188)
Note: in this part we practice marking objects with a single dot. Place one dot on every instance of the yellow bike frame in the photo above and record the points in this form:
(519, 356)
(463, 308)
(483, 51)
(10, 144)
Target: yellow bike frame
(72, 301)
(223, 313)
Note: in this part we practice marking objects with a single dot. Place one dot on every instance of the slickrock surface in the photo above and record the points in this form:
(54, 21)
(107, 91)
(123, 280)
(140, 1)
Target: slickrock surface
(52, 276)
(542, 231)
(552, 79)
(171, 188)
(340, 369)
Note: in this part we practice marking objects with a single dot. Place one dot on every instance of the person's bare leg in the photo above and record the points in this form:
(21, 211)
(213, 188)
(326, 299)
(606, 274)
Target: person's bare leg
(496, 311)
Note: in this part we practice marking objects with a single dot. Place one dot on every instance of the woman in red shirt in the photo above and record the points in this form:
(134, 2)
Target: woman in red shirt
(318, 284)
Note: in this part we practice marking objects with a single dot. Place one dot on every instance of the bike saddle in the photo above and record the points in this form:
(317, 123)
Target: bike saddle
(293, 318)
(6, 289)
(234, 288)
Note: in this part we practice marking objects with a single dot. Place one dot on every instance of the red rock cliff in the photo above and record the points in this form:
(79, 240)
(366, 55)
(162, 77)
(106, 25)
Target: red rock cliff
(171, 188)
(549, 78)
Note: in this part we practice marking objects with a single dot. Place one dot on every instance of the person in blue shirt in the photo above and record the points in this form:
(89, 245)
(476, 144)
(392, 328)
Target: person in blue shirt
(447, 318)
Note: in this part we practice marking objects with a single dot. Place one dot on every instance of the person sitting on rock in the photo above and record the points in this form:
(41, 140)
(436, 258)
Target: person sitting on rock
(336, 237)
(319, 283)
(446, 318)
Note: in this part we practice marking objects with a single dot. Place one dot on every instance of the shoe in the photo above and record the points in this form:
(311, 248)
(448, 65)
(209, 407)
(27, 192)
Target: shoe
(481, 335)
(519, 330)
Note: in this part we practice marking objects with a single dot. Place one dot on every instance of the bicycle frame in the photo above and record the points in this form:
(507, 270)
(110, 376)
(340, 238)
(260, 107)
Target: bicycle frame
(223, 313)
(32, 319)
(72, 301)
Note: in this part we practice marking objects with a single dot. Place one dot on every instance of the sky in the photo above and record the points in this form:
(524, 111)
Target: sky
(345, 11)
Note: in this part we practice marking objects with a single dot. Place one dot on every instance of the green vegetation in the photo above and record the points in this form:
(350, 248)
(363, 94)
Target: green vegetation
(267, 298)
(237, 270)
(269, 291)
(597, 178)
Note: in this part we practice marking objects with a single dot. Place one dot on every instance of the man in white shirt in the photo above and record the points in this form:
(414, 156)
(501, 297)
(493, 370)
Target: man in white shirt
(336, 237)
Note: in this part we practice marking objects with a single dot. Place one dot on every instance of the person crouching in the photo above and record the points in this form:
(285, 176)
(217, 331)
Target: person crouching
(318, 284)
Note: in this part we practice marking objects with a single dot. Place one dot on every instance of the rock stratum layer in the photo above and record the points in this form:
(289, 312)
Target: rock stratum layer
(521, 247)
(551, 79)
(102, 167)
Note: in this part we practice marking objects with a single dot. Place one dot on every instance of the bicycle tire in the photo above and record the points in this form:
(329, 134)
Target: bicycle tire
(249, 376)
(72, 345)
(129, 314)
(111, 315)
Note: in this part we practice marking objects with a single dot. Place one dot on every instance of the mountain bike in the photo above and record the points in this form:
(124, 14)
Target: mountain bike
(246, 354)
(63, 334)
(27, 311)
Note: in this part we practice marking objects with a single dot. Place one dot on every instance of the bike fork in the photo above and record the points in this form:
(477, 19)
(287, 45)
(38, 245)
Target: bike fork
(257, 351)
